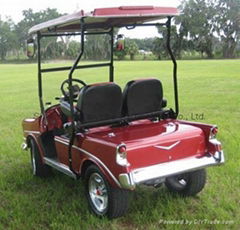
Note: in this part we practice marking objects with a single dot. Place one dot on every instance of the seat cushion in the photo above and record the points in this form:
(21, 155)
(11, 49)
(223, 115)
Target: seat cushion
(142, 96)
(100, 102)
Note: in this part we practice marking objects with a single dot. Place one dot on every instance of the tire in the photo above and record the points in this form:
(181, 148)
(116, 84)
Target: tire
(187, 184)
(38, 167)
(103, 199)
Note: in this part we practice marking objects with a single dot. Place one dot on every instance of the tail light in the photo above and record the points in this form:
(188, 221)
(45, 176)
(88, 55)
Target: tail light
(213, 132)
(121, 155)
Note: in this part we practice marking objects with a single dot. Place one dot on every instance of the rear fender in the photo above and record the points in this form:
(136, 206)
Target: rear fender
(112, 180)
(205, 127)
(213, 145)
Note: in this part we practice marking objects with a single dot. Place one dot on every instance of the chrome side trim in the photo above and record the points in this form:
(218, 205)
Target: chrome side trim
(59, 166)
(174, 167)
(34, 132)
(92, 156)
(167, 147)
(61, 141)
(214, 141)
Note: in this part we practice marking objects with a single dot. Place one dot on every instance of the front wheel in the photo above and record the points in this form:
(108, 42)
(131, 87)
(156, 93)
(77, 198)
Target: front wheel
(187, 184)
(103, 199)
(38, 167)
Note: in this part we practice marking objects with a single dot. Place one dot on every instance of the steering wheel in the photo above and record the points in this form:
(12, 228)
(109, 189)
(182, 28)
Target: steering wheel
(75, 88)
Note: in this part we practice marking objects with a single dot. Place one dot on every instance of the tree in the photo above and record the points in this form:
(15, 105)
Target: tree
(196, 23)
(120, 54)
(97, 47)
(174, 40)
(30, 19)
(158, 48)
(8, 37)
(73, 49)
(144, 44)
(131, 48)
(54, 50)
(227, 25)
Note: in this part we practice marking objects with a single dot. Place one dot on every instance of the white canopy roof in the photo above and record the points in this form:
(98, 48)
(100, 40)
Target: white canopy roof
(103, 19)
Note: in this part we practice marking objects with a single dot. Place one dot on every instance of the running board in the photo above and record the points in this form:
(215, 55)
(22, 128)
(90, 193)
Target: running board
(54, 163)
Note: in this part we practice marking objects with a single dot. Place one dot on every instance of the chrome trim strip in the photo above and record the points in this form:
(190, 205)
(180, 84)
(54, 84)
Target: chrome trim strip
(29, 131)
(63, 142)
(214, 141)
(174, 167)
(94, 157)
(59, 166)
(167, 147)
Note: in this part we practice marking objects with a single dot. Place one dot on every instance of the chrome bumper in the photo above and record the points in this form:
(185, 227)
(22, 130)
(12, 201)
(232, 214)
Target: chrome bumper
(140, 175)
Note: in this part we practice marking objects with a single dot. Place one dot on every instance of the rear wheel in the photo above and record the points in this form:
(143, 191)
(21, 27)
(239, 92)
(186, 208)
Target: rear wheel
(38, 167)
(103, 199)
(187, 184)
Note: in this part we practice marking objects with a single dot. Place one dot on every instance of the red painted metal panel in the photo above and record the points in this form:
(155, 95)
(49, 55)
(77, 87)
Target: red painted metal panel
(147, 143)
(129, 11)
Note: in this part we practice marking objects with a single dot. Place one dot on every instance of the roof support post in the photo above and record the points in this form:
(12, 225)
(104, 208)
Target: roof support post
(73, 134)
(39, 71)
(174, 66)
(40, 77)
(111, 67)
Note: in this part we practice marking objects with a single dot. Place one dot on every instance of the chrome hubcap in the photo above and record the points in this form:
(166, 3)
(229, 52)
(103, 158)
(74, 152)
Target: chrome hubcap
(98, 192)
(182, 182)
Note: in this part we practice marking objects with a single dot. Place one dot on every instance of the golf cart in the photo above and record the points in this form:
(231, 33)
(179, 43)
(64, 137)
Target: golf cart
(115, 140)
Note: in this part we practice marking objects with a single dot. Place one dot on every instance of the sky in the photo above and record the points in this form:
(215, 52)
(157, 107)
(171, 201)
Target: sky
(14, 8)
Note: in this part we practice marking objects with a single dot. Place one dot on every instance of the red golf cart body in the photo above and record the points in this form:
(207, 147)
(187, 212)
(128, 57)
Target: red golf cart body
(143, 150)
(154, 149)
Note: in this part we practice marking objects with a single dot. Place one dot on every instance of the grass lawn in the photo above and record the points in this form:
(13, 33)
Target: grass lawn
(207, 89)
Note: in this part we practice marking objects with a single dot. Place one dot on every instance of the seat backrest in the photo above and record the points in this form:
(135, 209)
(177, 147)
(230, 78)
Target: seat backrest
(142, 96)
(99, 102)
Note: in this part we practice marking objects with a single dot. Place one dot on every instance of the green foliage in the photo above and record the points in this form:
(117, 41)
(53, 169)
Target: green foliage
(158, 48)
(227, 25)
(202, 20)
(73, 49)
(97, 47)
(8, 38)
(145, 43)
(196, 24)
(160, 44)
(131, 48)
(120, 54)
(30, 19)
